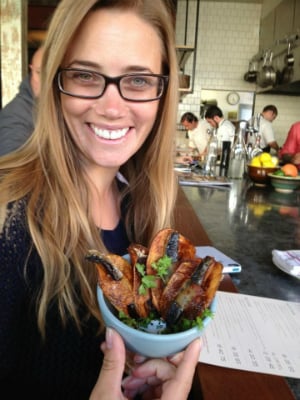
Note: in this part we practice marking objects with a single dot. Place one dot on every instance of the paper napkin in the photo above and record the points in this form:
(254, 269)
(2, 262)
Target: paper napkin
(289, 261)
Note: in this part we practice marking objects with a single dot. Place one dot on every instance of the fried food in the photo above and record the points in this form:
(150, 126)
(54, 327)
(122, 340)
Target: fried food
(168, 279)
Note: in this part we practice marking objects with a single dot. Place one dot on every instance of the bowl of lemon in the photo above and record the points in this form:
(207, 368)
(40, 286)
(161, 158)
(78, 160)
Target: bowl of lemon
(261, 166)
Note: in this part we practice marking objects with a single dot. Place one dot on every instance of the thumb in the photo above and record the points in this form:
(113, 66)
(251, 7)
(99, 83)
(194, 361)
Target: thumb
(108, 385)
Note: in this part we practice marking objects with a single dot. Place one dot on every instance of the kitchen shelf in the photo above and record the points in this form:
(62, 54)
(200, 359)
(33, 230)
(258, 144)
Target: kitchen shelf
(184, 50)
(36, 36)
(288, 89)
(184, 90)
(183, 53)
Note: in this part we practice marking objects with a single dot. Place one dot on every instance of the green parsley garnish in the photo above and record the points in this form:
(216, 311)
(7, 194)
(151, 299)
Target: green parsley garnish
(183, 325)
(127, 320)
(162, 267)
(147, 281)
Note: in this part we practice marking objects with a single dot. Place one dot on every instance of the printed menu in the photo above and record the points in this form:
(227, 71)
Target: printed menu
(254, 334)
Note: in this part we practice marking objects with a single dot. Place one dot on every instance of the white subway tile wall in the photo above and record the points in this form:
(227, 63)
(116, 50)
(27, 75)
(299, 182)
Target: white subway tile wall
(228, 36)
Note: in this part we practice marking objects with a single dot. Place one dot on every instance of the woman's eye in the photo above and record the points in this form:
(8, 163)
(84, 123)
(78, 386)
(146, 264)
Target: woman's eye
(139, 81)
(84, 76)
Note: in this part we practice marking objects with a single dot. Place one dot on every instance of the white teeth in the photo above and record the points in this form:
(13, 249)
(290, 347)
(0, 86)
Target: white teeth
(110, 134)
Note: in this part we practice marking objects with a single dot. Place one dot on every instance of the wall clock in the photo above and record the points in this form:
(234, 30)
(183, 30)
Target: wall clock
(233, 98)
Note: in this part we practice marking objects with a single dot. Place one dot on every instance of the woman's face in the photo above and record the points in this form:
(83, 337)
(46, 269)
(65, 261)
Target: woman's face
(109, 130)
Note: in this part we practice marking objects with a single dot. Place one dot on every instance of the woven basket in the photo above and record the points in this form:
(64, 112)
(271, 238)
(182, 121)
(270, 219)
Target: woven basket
(184, 81)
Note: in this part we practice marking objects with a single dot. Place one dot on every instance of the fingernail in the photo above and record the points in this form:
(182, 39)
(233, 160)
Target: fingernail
(109, 338)
(138, 359)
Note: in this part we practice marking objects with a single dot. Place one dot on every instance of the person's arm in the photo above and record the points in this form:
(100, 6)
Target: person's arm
(184, 159)
(291, 158)
(14, 252)
(290, 151)
(201, 138)
(16, 125)
(296, 159)
(268, 136)
(274, 145)
(192, 144)
(286, 158)
(158, 378)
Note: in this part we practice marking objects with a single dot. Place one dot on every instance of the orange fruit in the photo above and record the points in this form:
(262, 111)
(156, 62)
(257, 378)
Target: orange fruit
(290, 170)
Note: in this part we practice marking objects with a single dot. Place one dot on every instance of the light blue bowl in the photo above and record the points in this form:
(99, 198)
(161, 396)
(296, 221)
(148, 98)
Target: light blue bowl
(150, 344)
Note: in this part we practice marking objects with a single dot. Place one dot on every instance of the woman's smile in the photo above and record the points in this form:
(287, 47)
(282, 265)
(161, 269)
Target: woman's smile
(111, 134)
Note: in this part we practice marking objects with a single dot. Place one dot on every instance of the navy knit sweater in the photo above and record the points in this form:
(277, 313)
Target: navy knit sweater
(65, 365)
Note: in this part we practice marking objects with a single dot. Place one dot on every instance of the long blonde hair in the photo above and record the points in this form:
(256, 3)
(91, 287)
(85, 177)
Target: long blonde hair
(47, 171)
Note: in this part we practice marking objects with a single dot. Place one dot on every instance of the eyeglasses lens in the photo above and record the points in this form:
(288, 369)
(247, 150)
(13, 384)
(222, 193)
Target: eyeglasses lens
(92, 85)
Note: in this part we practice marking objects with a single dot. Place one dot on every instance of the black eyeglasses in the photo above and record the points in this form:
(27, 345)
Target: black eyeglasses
(92, 85)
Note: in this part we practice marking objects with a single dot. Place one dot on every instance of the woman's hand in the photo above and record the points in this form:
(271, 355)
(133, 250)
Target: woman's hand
(155, 379)
(164, 378)
(108, 385)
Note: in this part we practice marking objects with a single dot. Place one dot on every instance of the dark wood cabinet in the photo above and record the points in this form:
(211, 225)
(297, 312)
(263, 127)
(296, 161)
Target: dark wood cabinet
(280, 24)
(284, 16)
(39, 16)
(266, 34)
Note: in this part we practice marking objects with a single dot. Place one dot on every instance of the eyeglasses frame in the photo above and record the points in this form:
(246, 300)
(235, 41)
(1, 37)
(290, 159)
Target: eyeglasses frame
(111, 80)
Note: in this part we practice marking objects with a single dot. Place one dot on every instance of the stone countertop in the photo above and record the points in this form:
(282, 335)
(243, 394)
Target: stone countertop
(247, 222)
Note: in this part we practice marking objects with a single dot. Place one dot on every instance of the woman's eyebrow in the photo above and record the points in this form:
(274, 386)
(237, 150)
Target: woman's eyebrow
(93, 65)
(83, 63)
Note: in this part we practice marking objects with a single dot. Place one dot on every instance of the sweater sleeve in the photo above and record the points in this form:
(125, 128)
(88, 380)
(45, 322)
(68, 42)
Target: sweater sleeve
(66, 364)
(14, 245)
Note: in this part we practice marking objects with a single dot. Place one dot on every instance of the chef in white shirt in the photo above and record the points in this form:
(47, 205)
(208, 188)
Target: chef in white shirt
(225, 129)
(198, 131)
(266, 131)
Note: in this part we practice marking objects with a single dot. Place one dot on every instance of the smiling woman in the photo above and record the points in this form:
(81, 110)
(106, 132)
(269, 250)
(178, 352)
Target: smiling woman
(87, 179)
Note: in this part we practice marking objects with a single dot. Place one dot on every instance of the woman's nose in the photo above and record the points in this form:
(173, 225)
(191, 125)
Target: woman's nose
(110, 103)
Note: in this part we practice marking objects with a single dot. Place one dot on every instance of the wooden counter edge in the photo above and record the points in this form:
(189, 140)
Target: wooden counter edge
(213, 382)
(187, 222)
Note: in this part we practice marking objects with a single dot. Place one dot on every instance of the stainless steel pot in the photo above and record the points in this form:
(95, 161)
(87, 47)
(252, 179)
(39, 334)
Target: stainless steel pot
(289, 58)
(288, 70)
(267, 75)
(251, 74)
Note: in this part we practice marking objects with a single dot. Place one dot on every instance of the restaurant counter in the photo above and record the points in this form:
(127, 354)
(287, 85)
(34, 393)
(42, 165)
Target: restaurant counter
(246, 223)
